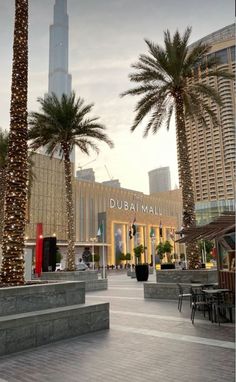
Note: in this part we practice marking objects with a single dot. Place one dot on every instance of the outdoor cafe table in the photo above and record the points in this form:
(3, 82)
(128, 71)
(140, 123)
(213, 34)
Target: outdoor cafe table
(206, 285)
(215, 291)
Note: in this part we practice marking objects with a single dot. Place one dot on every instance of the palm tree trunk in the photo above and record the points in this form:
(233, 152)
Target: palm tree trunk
(12, 271)
(2, 194)
(189, 218)
(69, 210)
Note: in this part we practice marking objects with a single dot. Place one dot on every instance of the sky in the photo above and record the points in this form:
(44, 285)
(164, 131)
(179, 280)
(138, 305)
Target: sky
(105, 38)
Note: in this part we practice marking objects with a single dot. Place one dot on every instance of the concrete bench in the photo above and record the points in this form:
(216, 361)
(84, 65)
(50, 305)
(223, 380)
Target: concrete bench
(167, 291)
(92, 283)
(27, 298)
(26, 330)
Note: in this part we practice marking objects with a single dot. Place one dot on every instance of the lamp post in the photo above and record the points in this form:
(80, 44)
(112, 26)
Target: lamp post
(153, 253)
(93, 240)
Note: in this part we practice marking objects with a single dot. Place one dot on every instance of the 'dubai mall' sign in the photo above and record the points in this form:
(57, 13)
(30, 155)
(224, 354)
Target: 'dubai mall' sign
(136, 207)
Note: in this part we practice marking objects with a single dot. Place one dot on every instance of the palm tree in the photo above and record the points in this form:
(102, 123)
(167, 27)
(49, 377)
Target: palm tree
(61, 125)
(3, 165)
(173, 79)
(4, 138)
(12, 271)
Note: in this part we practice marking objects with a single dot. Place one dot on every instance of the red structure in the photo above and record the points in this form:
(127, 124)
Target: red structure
(39, 249)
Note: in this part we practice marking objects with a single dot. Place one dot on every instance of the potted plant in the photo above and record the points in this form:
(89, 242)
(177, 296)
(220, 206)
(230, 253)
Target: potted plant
(165, 248)
(141, 270)
(127, 258)
(122, 257)
(205, 246)
(96, 259)
(160, 251)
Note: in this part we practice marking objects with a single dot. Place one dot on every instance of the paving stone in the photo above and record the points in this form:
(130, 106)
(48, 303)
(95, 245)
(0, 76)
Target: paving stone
(135, 349)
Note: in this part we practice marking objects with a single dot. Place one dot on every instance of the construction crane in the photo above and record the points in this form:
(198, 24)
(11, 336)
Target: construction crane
(108, 173)
(80, 167)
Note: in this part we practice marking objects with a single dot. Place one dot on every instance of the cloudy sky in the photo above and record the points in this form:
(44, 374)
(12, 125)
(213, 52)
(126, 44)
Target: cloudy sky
(106, 37)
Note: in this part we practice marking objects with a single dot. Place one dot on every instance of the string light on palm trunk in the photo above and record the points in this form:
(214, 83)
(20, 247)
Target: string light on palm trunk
(12, 271)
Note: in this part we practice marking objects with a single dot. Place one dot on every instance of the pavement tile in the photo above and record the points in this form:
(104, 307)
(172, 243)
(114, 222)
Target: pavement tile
(131, 355)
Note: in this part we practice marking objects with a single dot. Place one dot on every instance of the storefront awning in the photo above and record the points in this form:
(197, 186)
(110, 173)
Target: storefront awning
(221, 226)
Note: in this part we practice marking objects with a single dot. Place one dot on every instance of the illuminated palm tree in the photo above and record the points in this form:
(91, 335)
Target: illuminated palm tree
(12, 271)
(60, 126)
(3, 165)
(174, 78)
(4, 137)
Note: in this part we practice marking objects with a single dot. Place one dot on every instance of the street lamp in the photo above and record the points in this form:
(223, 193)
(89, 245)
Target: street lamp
(93, 240)
(153, 252)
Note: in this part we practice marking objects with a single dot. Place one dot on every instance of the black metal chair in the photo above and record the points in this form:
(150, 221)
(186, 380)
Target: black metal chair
(183, 295)
(202, 303)
(223, 304)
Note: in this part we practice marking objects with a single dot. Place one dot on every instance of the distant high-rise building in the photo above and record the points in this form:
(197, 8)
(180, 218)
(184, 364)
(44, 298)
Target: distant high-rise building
(212, 148)
(86, 174)
(115, 183)
(159, 180)
(59, 80)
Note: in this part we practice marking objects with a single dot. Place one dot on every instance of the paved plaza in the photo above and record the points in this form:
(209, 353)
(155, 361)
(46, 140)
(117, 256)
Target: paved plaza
(148, 341)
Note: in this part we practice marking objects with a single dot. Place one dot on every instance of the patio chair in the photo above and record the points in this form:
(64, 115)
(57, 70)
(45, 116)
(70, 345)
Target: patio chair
(183, 295)
(202, 303)
(223, 304)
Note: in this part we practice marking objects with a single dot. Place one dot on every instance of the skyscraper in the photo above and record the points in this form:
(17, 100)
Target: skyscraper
(212, 148)
(86, 174)
(159, 180)
(59, 80)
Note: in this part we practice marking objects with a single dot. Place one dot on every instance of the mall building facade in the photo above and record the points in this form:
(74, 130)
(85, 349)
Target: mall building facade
(96, 205)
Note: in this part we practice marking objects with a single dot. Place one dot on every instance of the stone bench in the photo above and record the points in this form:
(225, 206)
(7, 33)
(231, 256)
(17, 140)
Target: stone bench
(95, 285)
(167, 291)
(26, 330)
(202, 276)
(27, 298)
(92, 283)
(167, 279)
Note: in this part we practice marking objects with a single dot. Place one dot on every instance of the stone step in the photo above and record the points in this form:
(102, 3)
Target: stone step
(27, 330)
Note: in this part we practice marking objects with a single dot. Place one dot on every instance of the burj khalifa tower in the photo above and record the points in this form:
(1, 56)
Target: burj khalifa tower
(59, 80)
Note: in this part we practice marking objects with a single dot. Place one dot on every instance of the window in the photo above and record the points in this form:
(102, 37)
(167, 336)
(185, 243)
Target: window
(211, 57)
(222, 57)
(232, 52)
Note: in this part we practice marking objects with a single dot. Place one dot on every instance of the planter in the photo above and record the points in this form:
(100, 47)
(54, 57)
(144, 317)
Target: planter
(142, 272)
(168, 266)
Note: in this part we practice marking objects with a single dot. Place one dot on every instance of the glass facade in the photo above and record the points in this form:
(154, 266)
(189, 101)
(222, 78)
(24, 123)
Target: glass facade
(119, 242)
(232, 52)
(208, 211)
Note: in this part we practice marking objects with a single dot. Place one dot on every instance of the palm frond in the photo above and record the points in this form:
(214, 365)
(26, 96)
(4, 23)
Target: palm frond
(140, 90)
(65, 120)
(207, 91)
(143, 107)
(218, 73)
(167, 72)
(169, 115)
